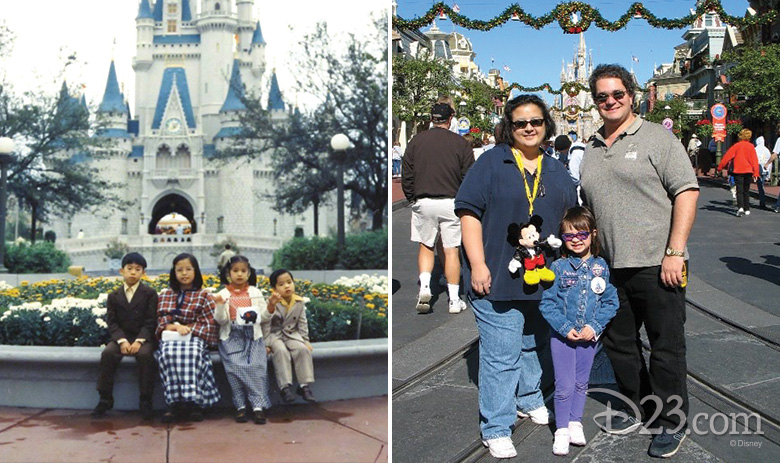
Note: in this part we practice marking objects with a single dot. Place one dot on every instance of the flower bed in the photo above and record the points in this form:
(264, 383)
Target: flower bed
(72, 313)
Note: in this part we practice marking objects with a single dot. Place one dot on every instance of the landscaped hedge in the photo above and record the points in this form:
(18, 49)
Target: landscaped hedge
(41, 257)
(362, 251)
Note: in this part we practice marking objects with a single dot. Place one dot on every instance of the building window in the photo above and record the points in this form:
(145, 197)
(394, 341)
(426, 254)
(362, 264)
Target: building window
(173, 8)
(299, 232)
(709, 20)
(216, 7)
(220, 224)
(172, 25)
(124, 226)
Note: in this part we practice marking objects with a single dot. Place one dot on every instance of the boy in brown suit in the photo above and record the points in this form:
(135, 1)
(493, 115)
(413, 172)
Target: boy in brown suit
(131, 316)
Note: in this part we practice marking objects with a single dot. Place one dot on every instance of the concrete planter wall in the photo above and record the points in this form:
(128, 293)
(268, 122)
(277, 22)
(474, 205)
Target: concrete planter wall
(65, 377)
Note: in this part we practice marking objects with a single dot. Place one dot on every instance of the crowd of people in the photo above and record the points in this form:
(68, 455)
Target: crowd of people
(623, 205)
(173, 332)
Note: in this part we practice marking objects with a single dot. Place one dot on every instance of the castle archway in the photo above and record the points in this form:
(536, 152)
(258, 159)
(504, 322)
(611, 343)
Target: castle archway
(173, 214)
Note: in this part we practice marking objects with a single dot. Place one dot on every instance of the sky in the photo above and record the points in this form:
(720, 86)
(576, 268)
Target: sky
(88, 29)
(534, 56)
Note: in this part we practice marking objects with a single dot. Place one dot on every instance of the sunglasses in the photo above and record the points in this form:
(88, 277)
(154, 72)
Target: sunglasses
(519, 125)
(603, 97)
(580, 235)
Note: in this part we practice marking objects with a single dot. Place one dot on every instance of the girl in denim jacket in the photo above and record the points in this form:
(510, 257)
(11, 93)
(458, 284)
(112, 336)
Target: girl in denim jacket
(578, 307)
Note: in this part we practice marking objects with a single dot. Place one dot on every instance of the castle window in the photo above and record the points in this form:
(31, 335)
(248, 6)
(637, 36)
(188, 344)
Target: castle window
(172, 25)
(216, 6)
(172, 8)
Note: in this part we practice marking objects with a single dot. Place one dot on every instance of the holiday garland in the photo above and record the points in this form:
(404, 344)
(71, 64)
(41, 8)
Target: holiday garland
(563, 13)
(570, 88)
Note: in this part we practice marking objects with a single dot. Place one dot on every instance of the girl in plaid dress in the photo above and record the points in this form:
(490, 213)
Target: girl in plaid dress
(185, 365)
(239, 308)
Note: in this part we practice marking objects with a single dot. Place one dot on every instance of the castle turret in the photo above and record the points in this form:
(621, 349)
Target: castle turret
(113, 110)
(257, 52)
(217, 27)
(245, 26)
(232, 105)
(275, 101)
(144, 26)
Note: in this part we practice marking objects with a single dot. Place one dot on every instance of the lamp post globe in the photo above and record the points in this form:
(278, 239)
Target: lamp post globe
(340, 143)
(6, 148)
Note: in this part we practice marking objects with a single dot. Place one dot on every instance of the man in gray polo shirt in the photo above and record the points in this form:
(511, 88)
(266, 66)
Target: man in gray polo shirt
(638, 181)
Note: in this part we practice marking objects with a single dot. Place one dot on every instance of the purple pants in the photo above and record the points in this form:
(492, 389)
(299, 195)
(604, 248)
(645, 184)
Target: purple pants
(572, 362)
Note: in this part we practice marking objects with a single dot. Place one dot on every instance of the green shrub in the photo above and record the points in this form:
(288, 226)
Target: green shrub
(50, 236)
(36, 258)
(76, 326)
(315, 253)
(366, 250)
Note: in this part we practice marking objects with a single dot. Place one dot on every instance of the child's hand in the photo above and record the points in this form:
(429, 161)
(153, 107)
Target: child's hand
(183, 330)
(275, 297)
(267, 350)
(125, 348)
(572, 335)
(587, 333)
(219, 299)
(308, 346)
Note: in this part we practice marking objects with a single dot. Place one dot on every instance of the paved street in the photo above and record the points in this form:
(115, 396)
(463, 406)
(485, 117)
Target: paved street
(735, 271)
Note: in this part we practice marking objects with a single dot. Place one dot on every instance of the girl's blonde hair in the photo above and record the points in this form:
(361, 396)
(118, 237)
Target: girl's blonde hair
(581, 218)
(745, 134)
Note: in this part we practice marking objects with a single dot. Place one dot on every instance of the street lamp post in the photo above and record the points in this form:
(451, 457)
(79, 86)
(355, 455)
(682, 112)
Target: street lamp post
(340, 144)
(6, 148)
(718, 91)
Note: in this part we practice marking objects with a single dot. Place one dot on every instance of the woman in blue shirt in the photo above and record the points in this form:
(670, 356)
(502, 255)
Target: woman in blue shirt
(508, 184)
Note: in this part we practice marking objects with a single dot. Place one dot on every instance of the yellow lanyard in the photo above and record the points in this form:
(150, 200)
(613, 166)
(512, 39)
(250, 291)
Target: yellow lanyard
(537, 177)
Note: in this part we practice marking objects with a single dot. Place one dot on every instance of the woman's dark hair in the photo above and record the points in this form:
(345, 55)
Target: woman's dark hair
(197, 283)
(225, 273)
(617, 71)
(276, 274)
(581, 218)
(507, 128)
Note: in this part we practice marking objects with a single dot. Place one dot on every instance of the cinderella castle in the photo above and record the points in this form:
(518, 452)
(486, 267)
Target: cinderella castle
(573, 112)
(190, 70)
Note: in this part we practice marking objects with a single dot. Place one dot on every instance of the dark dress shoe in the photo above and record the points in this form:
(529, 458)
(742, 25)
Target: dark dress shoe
(147, 412)
(102, 407)
(287, 394)
(196, 414)
(305, 392)
(259, 416)
(169, 416)
(241, 415)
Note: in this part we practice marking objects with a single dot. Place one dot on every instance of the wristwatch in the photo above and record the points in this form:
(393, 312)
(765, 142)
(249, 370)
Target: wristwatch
(674, 252)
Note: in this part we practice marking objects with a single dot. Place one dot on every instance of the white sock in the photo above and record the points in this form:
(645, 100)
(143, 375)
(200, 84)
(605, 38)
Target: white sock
(425, 279)
(303, 384)
(453, 291)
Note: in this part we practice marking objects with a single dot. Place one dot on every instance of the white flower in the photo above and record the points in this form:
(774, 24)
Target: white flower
(349, 322)
(47, 319)
(101, 323)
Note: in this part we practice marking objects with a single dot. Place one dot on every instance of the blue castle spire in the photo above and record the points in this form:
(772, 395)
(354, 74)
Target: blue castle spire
(235, 91)
(275, 102)
(144, 10)
(257, 36)
(113, 100)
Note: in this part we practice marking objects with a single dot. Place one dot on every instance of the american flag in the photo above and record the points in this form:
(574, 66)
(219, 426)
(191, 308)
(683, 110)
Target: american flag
(506, 68)
(634, 59)
(455, 8)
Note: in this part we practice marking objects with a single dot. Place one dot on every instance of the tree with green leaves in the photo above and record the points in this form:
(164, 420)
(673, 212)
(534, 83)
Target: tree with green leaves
(349, 78)
(754, 76)
(417, 83)
(478, 97)
(677, 112)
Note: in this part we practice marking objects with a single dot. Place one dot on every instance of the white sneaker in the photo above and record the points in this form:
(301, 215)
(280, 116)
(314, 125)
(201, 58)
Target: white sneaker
(424, 299)
(561, 442)
(457, 306)
(740, 212)
(747, 212)
(539, 416)
(501, 447)
(576, 435)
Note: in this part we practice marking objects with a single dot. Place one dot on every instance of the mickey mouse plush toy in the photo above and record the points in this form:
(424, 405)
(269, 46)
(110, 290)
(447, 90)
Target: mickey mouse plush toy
(529, 251)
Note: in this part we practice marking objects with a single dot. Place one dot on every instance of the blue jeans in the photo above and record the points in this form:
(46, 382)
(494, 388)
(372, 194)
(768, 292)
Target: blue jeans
(511, 333)
(396, 167)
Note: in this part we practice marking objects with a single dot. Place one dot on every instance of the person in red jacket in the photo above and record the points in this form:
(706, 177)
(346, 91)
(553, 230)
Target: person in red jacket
(745, 169)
